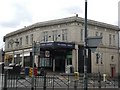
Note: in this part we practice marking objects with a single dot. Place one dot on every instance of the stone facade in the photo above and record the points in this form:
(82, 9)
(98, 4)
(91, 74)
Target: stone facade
(69, 29)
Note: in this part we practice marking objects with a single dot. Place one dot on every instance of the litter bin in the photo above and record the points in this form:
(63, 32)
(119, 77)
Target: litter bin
(26, 71)
(30, 73)
(42, 72)
(35, 71)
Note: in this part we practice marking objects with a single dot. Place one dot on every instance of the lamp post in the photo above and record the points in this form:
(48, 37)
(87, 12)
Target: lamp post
(33, 53)
(85, 50)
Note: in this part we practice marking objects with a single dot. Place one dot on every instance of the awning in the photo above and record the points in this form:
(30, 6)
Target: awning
(57, 45)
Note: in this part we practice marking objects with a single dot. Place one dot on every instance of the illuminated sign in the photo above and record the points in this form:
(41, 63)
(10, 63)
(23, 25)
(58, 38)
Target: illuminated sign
(57, 45)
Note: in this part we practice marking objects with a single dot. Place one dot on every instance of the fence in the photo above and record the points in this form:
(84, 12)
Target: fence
(53, 81)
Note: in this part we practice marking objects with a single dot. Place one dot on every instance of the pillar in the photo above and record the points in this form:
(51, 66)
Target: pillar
(75, 58)
(22, 63)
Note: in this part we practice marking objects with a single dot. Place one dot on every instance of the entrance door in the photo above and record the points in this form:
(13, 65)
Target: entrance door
(60, 64)
(112, 72)
(59, 57)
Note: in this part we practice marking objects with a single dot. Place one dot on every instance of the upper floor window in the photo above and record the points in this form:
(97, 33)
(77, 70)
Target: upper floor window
(81, 33)
(54, 35)
(45, 36)
(31, 38)
(26, 39)
(101, 58)
(114, 40)
(64, 34)
(17, 42)
(20, 41)
(101, 34)
(110, 39)
(8, 45)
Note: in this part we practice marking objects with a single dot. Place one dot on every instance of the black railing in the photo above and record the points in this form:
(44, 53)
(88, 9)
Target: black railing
(57, 81)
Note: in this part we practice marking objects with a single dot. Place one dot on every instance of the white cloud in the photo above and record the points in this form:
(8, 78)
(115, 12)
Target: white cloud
(103, 10)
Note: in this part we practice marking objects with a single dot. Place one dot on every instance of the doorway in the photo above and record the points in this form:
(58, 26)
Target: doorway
(112, 72)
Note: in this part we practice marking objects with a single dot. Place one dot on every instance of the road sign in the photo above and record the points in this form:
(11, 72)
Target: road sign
(93, 42)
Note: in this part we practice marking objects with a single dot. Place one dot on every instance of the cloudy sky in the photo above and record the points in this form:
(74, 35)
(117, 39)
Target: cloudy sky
(15, 14)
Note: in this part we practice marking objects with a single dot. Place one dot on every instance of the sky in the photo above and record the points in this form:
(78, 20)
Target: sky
(15, 14)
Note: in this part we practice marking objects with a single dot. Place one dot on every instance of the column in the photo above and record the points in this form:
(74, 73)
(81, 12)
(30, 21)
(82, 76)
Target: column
(53, 65)
(75, 58)
(13, 61)
(22, 63)
(36, 60)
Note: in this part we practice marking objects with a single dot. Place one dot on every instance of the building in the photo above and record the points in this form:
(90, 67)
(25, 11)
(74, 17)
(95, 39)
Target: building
(61, 43)
(1, 54)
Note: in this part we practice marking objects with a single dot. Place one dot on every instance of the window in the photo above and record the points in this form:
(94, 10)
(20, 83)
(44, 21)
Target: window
(8, 45)
(101, 58)
(45, 62)
(109, 39)
(64, 34)
(114, 40)
(54, 36)
(81, 33)
(17, 43)
(112, 58)
(20, 41)
(96, 34)
(101, 34)
(31, 38)
(26, 39)
(45, 36)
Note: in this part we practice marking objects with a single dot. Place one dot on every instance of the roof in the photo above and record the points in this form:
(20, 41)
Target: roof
(60, 21)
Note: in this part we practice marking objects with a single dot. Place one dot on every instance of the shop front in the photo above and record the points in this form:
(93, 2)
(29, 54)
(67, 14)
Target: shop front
(55, 56)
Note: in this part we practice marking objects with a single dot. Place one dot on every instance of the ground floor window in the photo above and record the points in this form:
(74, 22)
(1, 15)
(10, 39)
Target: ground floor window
(45, 62)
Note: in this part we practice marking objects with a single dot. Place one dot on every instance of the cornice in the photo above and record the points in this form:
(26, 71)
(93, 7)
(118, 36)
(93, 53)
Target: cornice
(62, 21)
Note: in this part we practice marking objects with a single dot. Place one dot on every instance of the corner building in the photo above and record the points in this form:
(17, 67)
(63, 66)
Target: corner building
(61, 43)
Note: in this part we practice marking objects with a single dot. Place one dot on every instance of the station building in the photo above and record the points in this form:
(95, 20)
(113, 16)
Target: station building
(61, 43)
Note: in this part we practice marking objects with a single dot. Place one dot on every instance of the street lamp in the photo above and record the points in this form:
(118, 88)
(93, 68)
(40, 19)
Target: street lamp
(85, 50)
(91, 43)
(33, 52)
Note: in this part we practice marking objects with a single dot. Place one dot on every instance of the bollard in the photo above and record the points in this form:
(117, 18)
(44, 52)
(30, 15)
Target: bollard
(53, 81)
(104, 77)
(118, 80)
(76, 78)
(5, 82)
(44, 86)
(75, 85)
(76, 74)
(99, 80)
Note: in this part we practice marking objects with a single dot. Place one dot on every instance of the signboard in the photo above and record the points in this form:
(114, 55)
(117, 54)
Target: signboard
(8, 67)
(57, 45)
(47, 53)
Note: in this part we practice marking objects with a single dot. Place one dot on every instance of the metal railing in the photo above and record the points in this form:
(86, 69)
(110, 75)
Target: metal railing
(57, 81)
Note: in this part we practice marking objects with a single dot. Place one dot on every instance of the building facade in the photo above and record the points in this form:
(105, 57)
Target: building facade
(61, 44)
